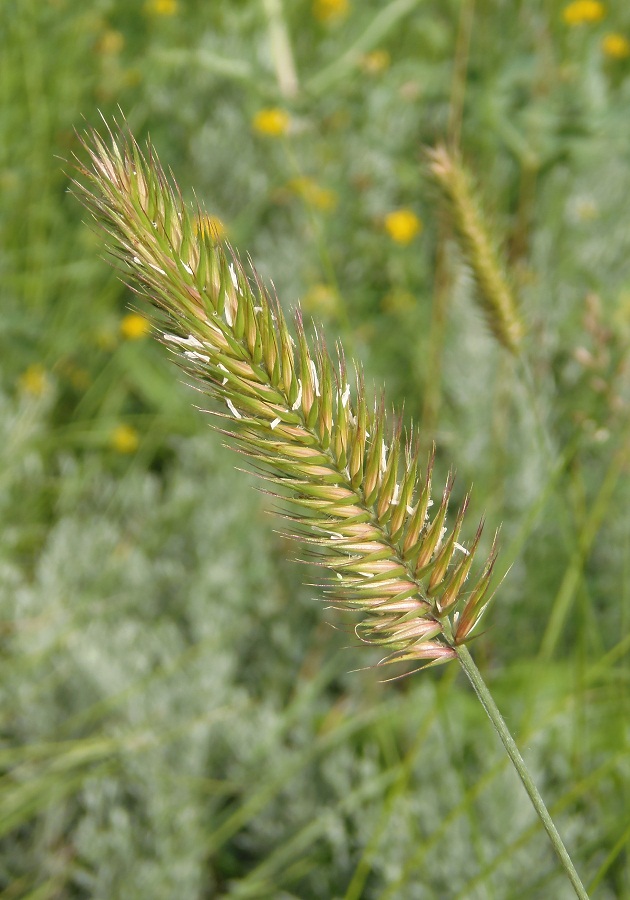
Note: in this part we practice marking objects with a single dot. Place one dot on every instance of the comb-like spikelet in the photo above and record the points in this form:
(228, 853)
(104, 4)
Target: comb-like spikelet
(359, 495)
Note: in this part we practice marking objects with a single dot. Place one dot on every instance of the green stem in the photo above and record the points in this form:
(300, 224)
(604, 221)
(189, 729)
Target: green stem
(281, 51)
(475, 678)
(383, 22)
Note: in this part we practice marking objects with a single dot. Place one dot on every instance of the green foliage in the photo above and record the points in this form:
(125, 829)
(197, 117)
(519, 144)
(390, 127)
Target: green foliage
(176, 716)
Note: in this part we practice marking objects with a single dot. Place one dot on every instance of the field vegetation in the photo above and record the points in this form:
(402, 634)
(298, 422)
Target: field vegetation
(442, 186)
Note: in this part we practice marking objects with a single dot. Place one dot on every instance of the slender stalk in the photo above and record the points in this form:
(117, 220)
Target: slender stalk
(487, 701)
(385, 20)
(460, 71)
(283, 60)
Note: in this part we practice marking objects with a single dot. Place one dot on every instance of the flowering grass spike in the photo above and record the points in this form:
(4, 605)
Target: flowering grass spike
(353, 478)
(495, 292)
(358, 494)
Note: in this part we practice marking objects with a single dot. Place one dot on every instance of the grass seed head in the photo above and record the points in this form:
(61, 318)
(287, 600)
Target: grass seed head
(358, 494)
(494, 290)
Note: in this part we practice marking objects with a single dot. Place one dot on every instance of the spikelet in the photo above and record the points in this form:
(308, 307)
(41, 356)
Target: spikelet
(495, 293)
(358, 494)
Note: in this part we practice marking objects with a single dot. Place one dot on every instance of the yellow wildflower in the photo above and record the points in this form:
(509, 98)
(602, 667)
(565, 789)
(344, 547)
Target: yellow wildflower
(272, 121)
(321, 299)
(34, 380)
(79, 378)
(160, 7)
(398, 302)
(134, 327)
(105, 338)
(375, 62)
(583, 209)
(313, 194)
(402, 225)
(616, 46)
(131, 77)
(211, 225)
(582, 12)
(330, 10)
(110, 43)
(124, 439)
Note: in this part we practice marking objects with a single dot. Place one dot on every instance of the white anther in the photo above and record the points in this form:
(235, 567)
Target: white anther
(157, 269)
(187, 267)
(395, 495)
(275, 423)
(462, 549)
(298, 399)
(345, 396)
(190, 341)
(233, 409)
(229, 318)
(191, 354)
(234, 278)
(222, 367)
(384, 449)
(313, 369)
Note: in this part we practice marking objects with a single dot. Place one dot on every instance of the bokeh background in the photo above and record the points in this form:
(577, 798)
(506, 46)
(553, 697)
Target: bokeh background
(178, 718)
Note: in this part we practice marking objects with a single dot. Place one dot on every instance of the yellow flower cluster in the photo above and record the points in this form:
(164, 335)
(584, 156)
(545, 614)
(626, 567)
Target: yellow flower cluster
(375, 62)
(34, 380)
(402, 225)
(330, 10)
(78, 377)
(159, 8)
(110, 43)
(322, 300)
(616, 46)
(271, 122)
(583, 12)
(398, 302)
(211, 225)
(105, 338)
(124, 439)
(313, 194)
(134, 327)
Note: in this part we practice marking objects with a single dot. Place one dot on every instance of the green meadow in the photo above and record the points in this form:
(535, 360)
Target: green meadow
(183, 712)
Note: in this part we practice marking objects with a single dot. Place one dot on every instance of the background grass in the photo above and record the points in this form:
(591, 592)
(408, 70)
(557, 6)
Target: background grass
(177, 718)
